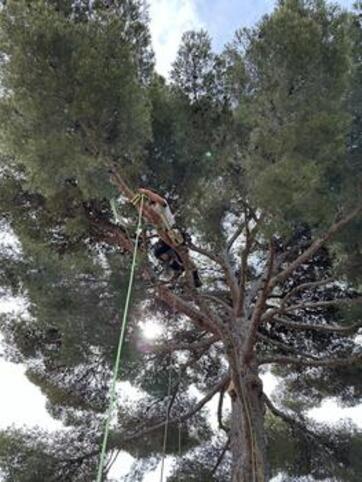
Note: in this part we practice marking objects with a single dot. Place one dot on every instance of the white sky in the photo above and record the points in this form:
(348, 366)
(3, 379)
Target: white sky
(169, 19)
(22, 403)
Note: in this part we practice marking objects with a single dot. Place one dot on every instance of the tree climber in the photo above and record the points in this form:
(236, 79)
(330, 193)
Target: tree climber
(164, 252)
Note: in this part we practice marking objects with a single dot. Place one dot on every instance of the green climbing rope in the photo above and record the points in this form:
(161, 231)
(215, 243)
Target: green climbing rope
(119, 350)
(165, 434)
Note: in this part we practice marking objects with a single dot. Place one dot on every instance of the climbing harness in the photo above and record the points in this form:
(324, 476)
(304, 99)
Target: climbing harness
(116, 368)
(167, 225)
(136, 199)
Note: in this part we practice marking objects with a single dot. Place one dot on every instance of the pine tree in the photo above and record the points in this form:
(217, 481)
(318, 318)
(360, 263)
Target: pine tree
(257, 150)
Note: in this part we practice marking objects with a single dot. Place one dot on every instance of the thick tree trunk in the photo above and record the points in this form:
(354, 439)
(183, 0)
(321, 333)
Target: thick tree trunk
(248, 439)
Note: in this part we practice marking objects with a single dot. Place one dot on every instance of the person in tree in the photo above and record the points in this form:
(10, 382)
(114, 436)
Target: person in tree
(162, 208)
(163, 251)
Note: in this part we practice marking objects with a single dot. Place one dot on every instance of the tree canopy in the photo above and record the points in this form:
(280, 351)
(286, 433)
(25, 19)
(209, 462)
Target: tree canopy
(258, 150)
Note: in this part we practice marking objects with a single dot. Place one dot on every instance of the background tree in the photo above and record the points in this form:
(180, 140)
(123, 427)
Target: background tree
(258, 150)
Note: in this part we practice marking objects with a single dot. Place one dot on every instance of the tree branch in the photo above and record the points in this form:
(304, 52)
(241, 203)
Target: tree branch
(303, 287)
(234, 237)
(282, 346)
(231, 282)
(220, 458)
(260, 303)
(293, 325)
(119, 440)
(315, 246)
(287, 418)
(250, 239)
(321, 304)
(177, 303)
(111, 233)
(205, 253)
(121, 184)
(171, 346)
(218, 301)
(219, 411)
(269, 315)
(300, 425)
(243, 269)
(328, 363)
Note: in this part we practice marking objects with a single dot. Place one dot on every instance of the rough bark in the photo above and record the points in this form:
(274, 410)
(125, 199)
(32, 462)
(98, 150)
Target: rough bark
(248, 444)
(247, 436)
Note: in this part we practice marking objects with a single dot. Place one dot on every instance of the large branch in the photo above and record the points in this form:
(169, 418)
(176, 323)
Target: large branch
(171, 346)
(260, 304)
(109, 232)
(293, 325)
(220, 411)
(322, 304)
(117, 441)
(218, 301)
(234, 237)
(220, 457)
(314, 247)
(243, 272)
(204, 252)
(120, 440)
(301, 426)
(250, 236)
(231, 281)
(177, 304)
(282, 346)
(328, 363)
(303, 287)
(121, 184)
(269, 315)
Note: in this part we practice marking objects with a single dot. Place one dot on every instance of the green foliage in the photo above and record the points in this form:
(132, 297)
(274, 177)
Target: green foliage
(330, 453)
(207, 132)
(72, 100)
(33, 456)
(199, 466)
(272, 125)
(299, 62)
(193, 70)
(29, 466)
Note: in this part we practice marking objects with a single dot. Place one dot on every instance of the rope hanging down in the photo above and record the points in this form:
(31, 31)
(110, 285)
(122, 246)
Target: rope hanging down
(168, 411)
(119, 350)
(165, 435)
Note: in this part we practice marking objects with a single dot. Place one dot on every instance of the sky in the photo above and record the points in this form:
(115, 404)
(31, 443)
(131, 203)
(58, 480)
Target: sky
(221, 18)
(169, 19)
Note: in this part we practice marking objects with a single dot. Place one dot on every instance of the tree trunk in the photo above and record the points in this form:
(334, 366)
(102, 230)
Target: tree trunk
(248, 439)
